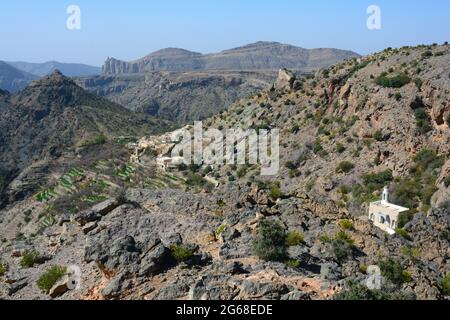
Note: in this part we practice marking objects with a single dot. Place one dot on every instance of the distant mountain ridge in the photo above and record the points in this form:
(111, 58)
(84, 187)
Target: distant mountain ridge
(46, 68)
(255, 56)
(13, 79)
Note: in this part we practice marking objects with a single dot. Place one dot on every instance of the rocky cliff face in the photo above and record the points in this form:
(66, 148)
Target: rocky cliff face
(257, 56)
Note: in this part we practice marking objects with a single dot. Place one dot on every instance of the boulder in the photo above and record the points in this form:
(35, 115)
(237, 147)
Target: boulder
(285, 79)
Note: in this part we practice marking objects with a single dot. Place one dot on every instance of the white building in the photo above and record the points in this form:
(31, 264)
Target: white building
(385, 215)
(168, 164)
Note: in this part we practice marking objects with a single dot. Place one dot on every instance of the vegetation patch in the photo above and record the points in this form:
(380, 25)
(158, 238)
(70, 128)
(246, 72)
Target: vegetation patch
(393, 271)
(295, 238)
(181, 252)
(444, 286)
(345, 167)
(50, 278)
(396, 81)
(270, 243)
(29, 259)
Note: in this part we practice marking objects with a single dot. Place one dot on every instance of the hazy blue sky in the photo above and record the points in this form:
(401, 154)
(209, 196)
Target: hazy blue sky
(36, 31)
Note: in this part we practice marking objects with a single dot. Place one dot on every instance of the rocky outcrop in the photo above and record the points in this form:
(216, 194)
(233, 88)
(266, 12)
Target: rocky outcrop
(257, 56)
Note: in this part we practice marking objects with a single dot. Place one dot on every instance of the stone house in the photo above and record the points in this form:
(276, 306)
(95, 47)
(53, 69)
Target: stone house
(168, 164)
(385, 215)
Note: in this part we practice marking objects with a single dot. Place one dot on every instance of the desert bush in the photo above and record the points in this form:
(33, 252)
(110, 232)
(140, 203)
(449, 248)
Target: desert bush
(340, 148)
(181, 252)
(444, 286)
(295, 238)
(275, 191)
(346, 224)
(341, 250)
(29, 259)
(393, 271)
(345, 167)
(397, 81)
(318, 148)
(378, 135)
(293, 263)
(50, 277)
(423, 121)
(2, 269)
(270, 243)
(97, 140)
(357, 292)
(402, 232)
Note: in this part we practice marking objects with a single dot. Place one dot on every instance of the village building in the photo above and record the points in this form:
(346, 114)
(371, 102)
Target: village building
(385, 215)
(167, 164)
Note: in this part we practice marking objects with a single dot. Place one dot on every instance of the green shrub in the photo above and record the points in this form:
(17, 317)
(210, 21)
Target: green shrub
(346, 224)
(318, 148)
(181, 252)
(378, 179)
(378, 135)
(444, 286)
(49, 278)
(423, 121)
(397, 81)
(403, 219)
(402, 232)
(295, 238)
(447, 181)
(220, 230)
(2, 269)
(98, 140)
(345, 167)
(342, 250)
(29, 259)
(394, 272)
(411, 253)
(194, 179)
(275, 191)
(358, 292)
(270, 243)
(293, 263)
(427, 54)
(340, 148)
(343, 236)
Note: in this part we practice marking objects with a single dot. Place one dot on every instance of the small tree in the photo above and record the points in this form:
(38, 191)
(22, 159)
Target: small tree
(270, 243)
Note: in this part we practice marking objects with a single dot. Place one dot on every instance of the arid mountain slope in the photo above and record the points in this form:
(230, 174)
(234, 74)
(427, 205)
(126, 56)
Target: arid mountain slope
(345, 133)
(179, 97)
(53, 115)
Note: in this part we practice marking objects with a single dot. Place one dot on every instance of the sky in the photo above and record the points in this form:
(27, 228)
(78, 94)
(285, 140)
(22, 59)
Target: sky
(36, 31)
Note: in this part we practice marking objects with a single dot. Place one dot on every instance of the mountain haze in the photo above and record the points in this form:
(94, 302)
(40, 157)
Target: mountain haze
(46, 68)
(12, 79)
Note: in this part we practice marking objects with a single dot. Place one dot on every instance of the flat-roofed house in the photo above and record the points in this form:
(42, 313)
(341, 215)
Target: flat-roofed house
(385, 215)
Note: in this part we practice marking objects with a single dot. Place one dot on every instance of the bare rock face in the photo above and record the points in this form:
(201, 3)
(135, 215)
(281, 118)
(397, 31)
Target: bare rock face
(256, 56)
(285, 79)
